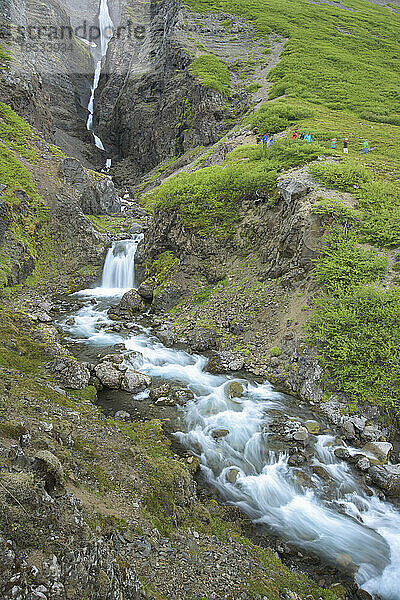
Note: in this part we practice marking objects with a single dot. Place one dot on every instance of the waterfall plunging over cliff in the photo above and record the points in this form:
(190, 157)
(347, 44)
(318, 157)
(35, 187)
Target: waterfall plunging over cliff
(119, 266)
(106, 29)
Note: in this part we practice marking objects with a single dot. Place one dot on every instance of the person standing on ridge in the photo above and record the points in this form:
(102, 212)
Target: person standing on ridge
(345, 146)
(265, 139)
(333, 145)
(365, 147)
(301, 137)
(271, 141)
(308, 137)
(294, 135)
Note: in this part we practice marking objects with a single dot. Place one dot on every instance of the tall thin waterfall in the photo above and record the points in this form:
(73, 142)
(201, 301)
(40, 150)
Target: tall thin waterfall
(119, 266)
(106, 28)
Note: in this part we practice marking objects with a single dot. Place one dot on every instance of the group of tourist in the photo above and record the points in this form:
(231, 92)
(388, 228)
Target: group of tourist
(301, 136)
(268, 140)
(365, 148)
(345, 145)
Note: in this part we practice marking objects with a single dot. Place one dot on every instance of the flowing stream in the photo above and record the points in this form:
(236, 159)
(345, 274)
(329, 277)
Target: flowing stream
(341, 526)
(106, 28)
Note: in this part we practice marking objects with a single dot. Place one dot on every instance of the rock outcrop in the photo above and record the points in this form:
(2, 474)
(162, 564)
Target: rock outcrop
(70, 372)
(97, 192)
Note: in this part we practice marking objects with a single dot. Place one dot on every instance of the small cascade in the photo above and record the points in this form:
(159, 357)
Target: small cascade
(106, 29)
(119, 266)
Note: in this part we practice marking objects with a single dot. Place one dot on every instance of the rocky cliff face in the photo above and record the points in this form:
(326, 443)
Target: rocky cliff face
(150, 106)
(49, 78)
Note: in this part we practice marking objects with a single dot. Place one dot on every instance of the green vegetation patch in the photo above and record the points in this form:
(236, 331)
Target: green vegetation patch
(207, 200)
(213, 73)
(16, 133)
(358, 339)
(273, 117)
(343, 264)
(380, 202)
(5, 59)
(346, 176)
(17, 349)
(335, 209)
(25, 212)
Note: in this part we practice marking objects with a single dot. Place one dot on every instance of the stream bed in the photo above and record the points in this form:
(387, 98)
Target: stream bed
(233, 438)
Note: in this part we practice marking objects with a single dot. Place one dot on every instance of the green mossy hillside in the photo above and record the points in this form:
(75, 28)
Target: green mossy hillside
(25, 216)
(207, 200)
(343, 57)
(361, 226)
(212, 72)
(343, 264)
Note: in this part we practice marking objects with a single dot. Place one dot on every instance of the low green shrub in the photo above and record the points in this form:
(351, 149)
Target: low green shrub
(335, 209)
(342, 264)
(16, 132)
(207, 200)
(275, 351)
(345, 176)
(358, 340)
(380, 202)
(273, 117)
(282, 154)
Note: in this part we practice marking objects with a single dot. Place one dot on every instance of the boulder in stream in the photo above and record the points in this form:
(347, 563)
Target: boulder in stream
(379, 450)
(130, 303)
(109, 375)
(116, 359)
(358, 422)
(301, 435)
(183, 396)
(231, 475)
(371, 433)
(312, 426)
(234, 389)
(146, 290)
(349, 429)
(135, 382)
(159, 392)
(342, 453)
(219, 433)
(363, 463)
(387, 477)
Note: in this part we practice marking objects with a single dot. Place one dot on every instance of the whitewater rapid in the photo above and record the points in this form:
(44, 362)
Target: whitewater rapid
(345, 526)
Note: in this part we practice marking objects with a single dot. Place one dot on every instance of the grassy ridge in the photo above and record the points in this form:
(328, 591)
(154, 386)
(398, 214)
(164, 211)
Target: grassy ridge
(344, 59)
